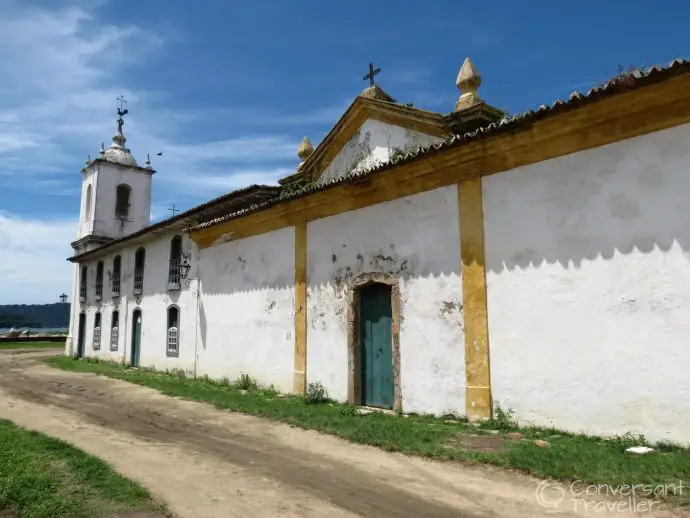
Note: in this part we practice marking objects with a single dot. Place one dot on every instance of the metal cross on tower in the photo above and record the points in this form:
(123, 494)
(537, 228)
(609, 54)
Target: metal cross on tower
(173, 210)
(63, 298)
(372, 73)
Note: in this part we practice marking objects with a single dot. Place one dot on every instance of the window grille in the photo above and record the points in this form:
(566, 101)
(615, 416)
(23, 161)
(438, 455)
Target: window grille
(172, 340)
(138, 280)
(82, 285)
(97, 332)
(114, 336)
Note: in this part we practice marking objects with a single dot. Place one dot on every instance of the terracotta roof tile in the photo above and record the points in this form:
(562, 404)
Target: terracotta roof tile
(616, 85)
(202, 212)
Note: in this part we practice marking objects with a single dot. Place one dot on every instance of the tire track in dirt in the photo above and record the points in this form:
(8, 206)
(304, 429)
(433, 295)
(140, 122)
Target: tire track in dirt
(256, 467)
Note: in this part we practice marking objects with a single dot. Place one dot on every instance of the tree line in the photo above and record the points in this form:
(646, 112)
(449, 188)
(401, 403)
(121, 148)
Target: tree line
(34, 315)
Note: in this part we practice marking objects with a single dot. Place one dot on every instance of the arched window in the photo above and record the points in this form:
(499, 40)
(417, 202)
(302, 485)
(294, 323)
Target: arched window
(99, 280)
(173, 331)
(139, 260)
(175, 260)
(114, 330)
(122, 195)
(117, 267)
(87, 207)
(82, 284)
(97, 332)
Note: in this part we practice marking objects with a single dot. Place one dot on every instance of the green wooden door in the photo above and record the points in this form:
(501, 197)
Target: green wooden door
(81, 335)
(136, 338)
(376, 340)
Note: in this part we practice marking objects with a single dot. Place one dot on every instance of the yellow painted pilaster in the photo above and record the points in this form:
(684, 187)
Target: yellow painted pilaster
(479, 404)
(300, 371)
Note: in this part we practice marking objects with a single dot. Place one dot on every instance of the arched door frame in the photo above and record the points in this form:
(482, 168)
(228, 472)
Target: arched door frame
(132, 352)
(81, 335)
(354, 385)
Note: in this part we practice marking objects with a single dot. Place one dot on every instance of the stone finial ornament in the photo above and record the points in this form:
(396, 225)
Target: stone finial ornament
(102, 151)
(305, 149)
(147, 164)
(119, 139)
(468, 83)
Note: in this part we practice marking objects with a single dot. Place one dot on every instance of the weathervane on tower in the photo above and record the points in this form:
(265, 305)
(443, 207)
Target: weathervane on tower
(121, 112)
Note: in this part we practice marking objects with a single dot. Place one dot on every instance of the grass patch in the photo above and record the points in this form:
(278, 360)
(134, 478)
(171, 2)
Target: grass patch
(26, 345)
(500, 442)
(42, 477)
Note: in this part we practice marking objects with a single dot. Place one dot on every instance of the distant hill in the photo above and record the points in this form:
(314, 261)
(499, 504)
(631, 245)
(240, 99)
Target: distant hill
(34, 315)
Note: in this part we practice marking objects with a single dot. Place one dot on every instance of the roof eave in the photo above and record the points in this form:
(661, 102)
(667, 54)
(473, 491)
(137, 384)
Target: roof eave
(508, 124)
(183, 220)
(100, 160)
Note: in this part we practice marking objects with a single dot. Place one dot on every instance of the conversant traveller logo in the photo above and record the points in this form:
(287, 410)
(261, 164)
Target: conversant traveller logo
(605, 498)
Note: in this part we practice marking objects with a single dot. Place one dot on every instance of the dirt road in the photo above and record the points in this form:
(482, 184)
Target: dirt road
(207, 463)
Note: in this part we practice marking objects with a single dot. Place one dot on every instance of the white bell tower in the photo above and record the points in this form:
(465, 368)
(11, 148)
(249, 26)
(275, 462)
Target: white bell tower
(116, 193)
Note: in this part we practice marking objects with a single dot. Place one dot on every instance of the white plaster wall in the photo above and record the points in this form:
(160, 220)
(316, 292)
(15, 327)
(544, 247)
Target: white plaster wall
(372, 145)
(247, 309)
(588, 272)
(107, 178)
(417, 238)
(70, 341)
(153, 303)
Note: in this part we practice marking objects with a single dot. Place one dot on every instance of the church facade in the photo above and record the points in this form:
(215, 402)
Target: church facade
(424, 262)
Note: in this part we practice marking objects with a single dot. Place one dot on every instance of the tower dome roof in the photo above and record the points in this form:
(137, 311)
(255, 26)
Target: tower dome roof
(120, 156)
(118, 152)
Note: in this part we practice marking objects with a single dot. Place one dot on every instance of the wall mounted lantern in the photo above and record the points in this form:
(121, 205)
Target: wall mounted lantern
(184, 269)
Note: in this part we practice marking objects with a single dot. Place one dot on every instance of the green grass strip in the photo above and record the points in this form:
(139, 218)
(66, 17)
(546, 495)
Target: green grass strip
(567, 457)
(42, 477)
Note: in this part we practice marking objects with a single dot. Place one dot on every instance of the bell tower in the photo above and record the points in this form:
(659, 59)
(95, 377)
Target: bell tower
(115, 193)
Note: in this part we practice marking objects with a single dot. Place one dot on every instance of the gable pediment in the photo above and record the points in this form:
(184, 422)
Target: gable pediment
(367, 133)
(373, 143)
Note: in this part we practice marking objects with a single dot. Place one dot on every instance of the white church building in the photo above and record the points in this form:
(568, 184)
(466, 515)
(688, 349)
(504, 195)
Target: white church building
(424, 262)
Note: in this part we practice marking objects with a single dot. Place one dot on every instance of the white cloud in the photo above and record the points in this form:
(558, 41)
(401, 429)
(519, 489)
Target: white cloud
(196, 188)
(328, 115)
(34, 267)
(239, 149)
(243, 178)
(61, 73)
(62, 70)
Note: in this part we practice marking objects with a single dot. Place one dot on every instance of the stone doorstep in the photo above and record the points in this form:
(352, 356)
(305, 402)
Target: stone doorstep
(369, 409)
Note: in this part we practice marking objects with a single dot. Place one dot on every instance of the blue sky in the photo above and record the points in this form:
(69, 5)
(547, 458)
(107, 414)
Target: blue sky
(227, 89)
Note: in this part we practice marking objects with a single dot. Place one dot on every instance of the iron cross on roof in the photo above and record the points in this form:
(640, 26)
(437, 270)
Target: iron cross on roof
(372, 73)
(174, 210)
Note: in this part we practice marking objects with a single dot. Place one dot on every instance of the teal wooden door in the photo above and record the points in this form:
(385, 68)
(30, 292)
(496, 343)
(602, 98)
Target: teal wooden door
(376, 341)
(81, 335)
(136, 338)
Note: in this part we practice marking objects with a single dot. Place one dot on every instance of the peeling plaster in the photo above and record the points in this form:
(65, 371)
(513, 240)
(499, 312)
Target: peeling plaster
(354, 346)
(416, 241)
(371, 145)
